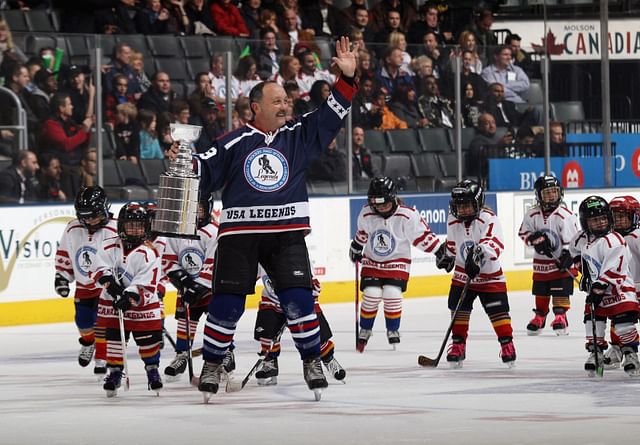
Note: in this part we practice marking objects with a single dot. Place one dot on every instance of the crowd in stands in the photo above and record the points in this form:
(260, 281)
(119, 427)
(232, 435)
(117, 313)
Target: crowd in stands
(406, 77)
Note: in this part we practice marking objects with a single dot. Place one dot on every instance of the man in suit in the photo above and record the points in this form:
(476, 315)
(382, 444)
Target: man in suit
(18, 183)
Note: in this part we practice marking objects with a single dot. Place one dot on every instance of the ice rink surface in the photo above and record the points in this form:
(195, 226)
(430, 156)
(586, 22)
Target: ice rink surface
(47, 399)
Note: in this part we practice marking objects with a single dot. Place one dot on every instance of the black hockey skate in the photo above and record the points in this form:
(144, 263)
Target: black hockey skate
(112, 382)
(100, 369)
(267, 373)
(229, 361)
(86, 353)
(210, 379)
(177, 367)
(312, 369)
(394, 338)
(154, 382)
(590, 365)
(335, 369)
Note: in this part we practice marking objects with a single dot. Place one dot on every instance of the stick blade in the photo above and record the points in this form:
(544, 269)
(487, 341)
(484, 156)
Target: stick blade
(427, 362)
(234, 385)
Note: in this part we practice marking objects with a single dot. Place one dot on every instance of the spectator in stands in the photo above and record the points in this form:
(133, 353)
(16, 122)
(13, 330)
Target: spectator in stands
(525, 136)
(471, 106)
(403, 105)
(350, 11)
(9, 52)
(361, 23)
(149, 145)
(81, 92)
(243, 108)
(319, 92)
(436, 109)
(362, 162)
(467, 76)
(61, 135)
(34, 64)
(218, 80)
(481, 27)
(181, 112)
(179, 22)
(288, 72)
(268, 55)
(557, 138)
(422, 66)
(250, 12)
(211, 126)
(163, 129)
(202, 91)
(389, 120)
(153, 18)
(310, 73)
(137, 64)
(160, 96)
(429, 20)
(397, 39)
(325, 19)
(366, 112)
(121, 64)
(116, 18)
(18, 183)
(378, 14)
(365, 64)
(118, 96)
(200, 17)
(520, 57)
(85, 176)
(486, 135)
(17, 81)
(289, 35)
(245, 76)
(267, 19)
(228, 20)
(390, 74)
(331, 165)
(436, 53)
(381, 38)
(512, 78)
(49, 178)
(127, 132)
(503, 111)
(46, 85)
(468, 42)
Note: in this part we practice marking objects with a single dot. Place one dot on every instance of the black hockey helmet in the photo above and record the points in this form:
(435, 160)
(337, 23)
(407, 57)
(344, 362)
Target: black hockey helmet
(465, 192)
(206, 202)
(548, 182)
(151, 207)
(92, 202)
(595, 207)
(382, 191)
(629, 208)
(133, 224)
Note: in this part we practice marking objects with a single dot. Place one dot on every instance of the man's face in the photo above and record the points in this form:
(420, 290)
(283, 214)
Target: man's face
(362, 17)
(358, 136)
(393, 19)
(556, 134)
(271, 111)
(431, 85)
(270, 41)
(67, 109)
(22, 78)
(467, 60)
(217, 66)
(53, 170)
(122, 86)
(515, 46)
(432, 17)
(426, 68)
(395, 58)
(203, 84)
(430, 41)
(51, 84)
(497, 91)
(309, 64)
(487, 124)
(290, 20)
(29, 165)
(504, 58)
(90, 164)
(162, 83)
(124, 55)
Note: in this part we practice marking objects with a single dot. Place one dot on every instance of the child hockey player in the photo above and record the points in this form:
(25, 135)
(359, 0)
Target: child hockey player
(605, 277)
(385, 233)
(474, 238)
(549, 227)
(270, 323)
(626, 218)
(128, 268)
(75, 260)
(189, 265)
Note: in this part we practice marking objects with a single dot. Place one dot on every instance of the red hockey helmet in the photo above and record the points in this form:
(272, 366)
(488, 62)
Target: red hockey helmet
(626, 214)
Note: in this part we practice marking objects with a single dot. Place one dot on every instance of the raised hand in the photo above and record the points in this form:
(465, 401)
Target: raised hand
(345, 57)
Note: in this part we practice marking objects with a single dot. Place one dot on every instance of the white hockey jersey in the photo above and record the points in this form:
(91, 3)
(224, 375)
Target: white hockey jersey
(137, 271)
(484, 231)
(560, 226)
(633, 242)
(195, 257)
(269, 299)
(76, 254)
(387, 241)
(607, 258)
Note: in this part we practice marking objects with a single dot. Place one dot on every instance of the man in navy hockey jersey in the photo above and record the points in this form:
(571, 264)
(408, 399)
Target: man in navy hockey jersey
(265, 215)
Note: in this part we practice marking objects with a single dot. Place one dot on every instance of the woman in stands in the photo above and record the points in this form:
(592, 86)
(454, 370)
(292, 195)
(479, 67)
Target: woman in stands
(246, 75)
(9, 52)
(289, 69)
(403, 105)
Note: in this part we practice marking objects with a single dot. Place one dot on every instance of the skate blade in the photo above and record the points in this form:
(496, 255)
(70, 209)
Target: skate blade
(393, 347)
(455, 365)
(511, 364)
(206, 396)
(610, 366)
(533, 333)
(127, 383)
(561, 332)
(111, 393)
(269, 381)
(317, 394)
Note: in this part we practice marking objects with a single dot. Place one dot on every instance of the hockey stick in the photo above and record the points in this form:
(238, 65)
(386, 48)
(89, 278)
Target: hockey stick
(235, 386)
(169, 338)
(192, 379)
(357, 301)
(123, 345)
(433, 363)
(594, 333)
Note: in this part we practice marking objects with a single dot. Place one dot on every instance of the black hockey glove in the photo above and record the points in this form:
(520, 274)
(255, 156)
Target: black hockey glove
(61, 285)
(444, 261)
(597, 293)
(177, 278)
(355, 251)
(565, 261)
(472, 262)
(126, 300)
(541, 243)
(113, 288)
(194, 293)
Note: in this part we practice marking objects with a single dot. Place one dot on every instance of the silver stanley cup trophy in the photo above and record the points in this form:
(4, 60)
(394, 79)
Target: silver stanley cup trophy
(177, 210)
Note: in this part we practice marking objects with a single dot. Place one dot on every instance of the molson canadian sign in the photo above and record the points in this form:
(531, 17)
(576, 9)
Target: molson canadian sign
(579, 39)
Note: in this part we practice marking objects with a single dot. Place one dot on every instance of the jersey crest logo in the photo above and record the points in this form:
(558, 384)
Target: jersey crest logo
(554, 238)
(84, 259)
(191, 261)
(266, 169)
(382, 243)
(594, 266)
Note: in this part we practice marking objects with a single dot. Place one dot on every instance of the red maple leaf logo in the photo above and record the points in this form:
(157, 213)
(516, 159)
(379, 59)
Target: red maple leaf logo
(553, 49)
